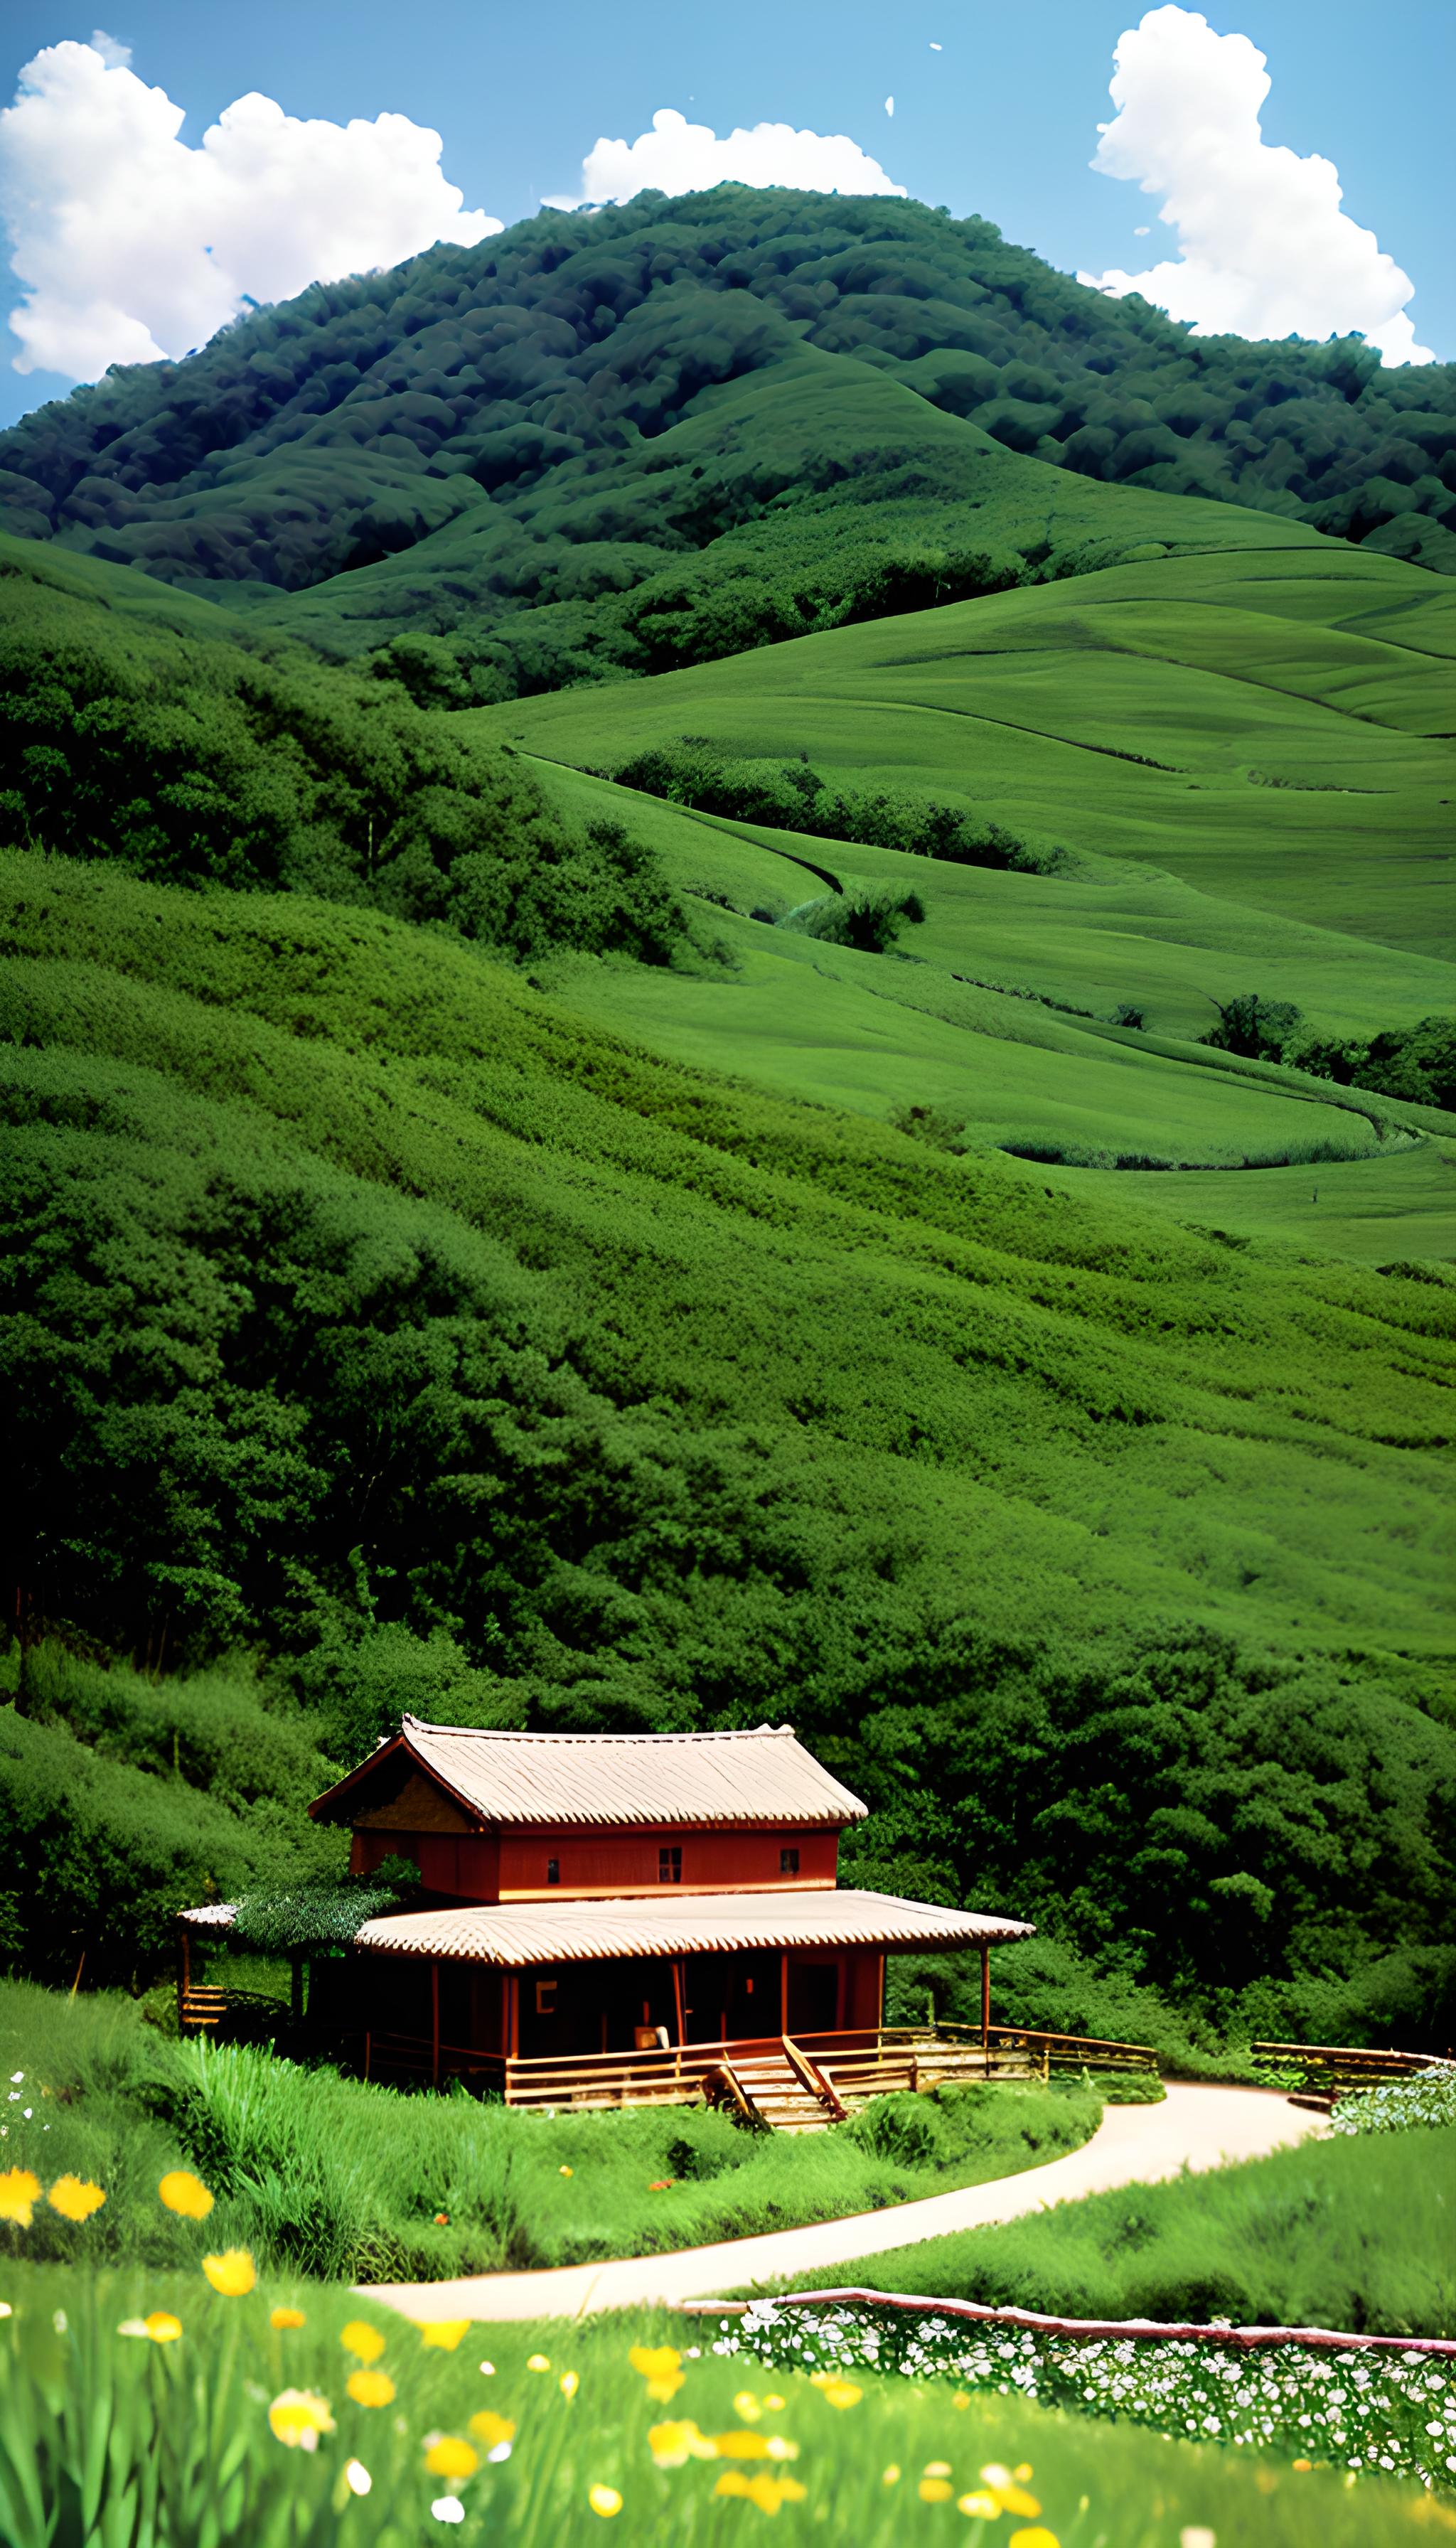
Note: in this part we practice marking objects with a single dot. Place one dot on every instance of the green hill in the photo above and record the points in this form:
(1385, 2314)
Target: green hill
(603, 969)
(1190, 778)
(626, 438)
(366, 1305)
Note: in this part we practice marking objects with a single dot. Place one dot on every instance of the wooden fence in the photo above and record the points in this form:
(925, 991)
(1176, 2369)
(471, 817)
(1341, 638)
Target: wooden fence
(1332, 2071)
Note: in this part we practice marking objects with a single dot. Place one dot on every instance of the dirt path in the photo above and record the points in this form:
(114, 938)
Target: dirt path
(1197, 2128)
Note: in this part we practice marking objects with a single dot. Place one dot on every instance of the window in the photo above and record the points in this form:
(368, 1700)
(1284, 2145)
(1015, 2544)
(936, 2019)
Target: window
(546, 1996)
(553, 1871)
(669, 1866)
(788, 1861)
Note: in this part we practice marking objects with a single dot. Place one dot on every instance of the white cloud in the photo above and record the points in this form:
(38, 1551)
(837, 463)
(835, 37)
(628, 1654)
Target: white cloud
(131, 246)
(116, 55)
(890, 106)
(1263, 246)
(682, 158)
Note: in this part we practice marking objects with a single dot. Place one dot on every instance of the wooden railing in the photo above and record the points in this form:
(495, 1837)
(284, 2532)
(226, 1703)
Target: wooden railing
(811, 2074)
(843, 2067)
(206, 2005)
(1334, 2069)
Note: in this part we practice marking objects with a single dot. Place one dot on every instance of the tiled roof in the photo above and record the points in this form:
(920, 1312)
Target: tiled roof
(762, 1776)
(519, 1933)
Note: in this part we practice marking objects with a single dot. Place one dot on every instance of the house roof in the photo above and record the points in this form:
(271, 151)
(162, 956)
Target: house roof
(520, 1934)
(761, 1775)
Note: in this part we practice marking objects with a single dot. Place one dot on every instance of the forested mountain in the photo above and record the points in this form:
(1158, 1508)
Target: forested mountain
(561, 1168)
(641, 426)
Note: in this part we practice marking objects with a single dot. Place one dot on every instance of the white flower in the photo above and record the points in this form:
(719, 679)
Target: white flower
(357, 2478)
(448, 2507)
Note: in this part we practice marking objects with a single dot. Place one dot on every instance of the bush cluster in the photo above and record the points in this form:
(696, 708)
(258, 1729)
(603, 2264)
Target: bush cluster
(790, 796)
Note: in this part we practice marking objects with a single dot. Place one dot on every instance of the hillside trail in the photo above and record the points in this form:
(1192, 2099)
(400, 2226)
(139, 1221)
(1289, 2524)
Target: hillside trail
(1197, 2128)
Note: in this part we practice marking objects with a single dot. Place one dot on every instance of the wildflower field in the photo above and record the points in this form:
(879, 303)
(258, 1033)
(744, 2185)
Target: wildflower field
(1402, 2106)
(1390, 2411)
(168, 2410)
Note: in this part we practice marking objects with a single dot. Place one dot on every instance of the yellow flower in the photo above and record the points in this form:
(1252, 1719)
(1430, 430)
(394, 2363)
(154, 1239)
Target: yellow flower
(934, 2489)
(1037, 2538)
(605, 2499)
(182, 2192)
(674, 2445)
(287, 2318)
(74, 2198)
(961, 2397)
(980, 2505)
(891, 2476)
(940, 2468)
(451, 2457)
(566, 2171)
(538, 2362)
(773, 2405)
(661, 2367)
(298, 2416)
(747, 2405)
(570, 2384)
(1011, 2496)
(767, 2492)
(20, 2191)
(160, 2325)
(445, 2333)
(492, 2429)
(232, 2273)
(361, 2339)
(370, 2388)
(741, 2447)
(840, 2392)
(1023, 2475)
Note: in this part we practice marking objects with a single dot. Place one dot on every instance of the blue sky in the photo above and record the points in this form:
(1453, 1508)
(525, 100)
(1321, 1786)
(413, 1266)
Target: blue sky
(1002, 121)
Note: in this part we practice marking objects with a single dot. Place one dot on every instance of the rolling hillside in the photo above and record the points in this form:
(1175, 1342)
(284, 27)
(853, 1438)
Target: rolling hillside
(608, 440)
(1241, 763)
(612, 876)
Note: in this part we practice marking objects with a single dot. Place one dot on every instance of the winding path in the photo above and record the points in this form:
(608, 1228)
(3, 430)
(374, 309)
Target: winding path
(1197, 2128)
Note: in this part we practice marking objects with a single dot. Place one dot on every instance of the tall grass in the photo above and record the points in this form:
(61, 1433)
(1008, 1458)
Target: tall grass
(1353, 2234)
(109, 2438)
(339, 2178)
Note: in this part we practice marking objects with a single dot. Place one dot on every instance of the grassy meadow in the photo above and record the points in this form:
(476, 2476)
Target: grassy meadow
(355, 2182)
(290, 2412)
(1347, 2233)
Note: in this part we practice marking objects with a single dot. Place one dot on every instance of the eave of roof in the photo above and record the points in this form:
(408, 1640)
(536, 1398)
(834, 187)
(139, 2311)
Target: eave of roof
(762, 1776)
(515, 1934)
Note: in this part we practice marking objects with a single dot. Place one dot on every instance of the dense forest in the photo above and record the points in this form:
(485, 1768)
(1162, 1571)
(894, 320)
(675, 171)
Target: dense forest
(195, 761)
(625, 427)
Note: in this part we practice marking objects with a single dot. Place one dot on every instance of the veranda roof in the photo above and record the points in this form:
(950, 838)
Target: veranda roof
(519, 1933)
(763, 1774)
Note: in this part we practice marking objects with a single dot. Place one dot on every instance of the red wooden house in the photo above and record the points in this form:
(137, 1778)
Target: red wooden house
(620, 1918)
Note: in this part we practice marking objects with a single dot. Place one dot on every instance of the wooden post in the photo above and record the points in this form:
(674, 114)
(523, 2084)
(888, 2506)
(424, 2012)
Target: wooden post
(435, 2021)
(680, 2001)
(784, 1994)
(512, 1991)
(986, 2003)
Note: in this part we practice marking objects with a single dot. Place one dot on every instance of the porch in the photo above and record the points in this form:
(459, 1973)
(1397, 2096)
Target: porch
(791, 2083)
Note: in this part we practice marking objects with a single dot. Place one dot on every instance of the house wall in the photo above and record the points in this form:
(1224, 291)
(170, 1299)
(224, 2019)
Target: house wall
(512, 1866)
(628, 1861)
